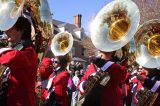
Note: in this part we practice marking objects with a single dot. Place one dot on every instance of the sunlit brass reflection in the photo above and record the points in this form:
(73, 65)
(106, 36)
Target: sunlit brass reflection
(118, 22)
(147, 43)
(18, 2)
(119, 29)
(151, 39)
(153, 45)
(115, 25)
(63, 43)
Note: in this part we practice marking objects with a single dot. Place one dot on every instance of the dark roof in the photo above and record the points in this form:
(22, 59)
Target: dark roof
(56, 22)
(68, 27)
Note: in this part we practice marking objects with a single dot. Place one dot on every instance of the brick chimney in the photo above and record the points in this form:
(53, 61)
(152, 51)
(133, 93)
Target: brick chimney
(77, 20)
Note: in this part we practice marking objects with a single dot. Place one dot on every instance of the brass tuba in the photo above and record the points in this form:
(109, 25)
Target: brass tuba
(112, 28)
(147, 43)
(62, 43)
(10, 10)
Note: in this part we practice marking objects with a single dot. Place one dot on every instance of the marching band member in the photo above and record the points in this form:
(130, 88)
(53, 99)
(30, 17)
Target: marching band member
(56, 90)
(46, 72)
(110, 30)
(22, 62)
(111, 93)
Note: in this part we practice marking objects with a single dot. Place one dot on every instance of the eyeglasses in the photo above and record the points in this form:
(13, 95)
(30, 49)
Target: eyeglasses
(56, 62)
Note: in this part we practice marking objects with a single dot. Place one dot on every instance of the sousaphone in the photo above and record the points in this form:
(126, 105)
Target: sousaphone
(10, 10)
(61, 43)
(115, 25)
(112, 28)
(147, 43)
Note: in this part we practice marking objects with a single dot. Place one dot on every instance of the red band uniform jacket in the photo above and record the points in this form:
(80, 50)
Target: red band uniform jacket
(111, 94)
(23, 68)
(60, 82)
(45, 69)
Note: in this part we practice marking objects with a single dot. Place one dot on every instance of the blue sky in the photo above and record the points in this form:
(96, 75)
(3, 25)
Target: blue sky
(65, 10)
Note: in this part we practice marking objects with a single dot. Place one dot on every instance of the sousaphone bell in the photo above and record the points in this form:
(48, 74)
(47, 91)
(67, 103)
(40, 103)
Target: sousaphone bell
(61, 43)
(115, 25)
(147, 43)
(10, 10)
